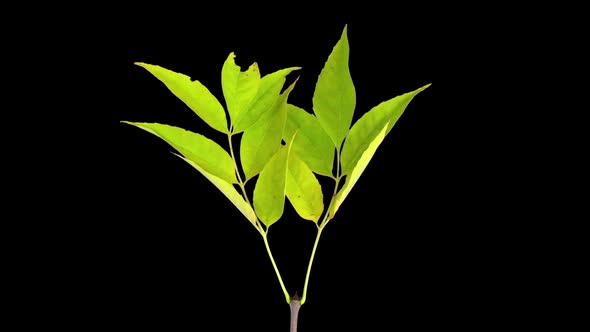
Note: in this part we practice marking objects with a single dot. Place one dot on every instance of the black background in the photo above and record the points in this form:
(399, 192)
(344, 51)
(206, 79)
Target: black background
(420, 242)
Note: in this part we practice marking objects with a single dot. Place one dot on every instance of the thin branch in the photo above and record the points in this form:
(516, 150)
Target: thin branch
(272, 260)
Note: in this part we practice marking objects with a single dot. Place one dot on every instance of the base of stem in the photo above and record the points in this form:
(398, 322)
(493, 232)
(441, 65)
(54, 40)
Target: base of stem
(295, 305)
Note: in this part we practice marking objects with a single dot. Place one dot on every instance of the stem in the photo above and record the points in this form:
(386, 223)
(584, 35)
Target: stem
(294, 305)
(272, 260)
(315, 246)
(321, 227)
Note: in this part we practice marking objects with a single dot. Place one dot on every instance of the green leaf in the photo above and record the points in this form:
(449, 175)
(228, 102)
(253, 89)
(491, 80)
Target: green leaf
(334, 98)
(312, 144)
(303, 189)
(194, 94)
(268, 93)
(353, 177)
(369, 126)
(197, 148)
(262, 140)
(239, 87)
(229, 191)
(269, 193)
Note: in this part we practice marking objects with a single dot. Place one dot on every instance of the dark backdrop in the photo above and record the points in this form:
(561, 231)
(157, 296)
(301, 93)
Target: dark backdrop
(411, 247)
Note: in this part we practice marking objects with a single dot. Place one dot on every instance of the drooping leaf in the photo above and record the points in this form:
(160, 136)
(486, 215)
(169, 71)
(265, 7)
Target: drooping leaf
(229, 191)
(239, 87)
(197, 148)
(194, 94)
(356, 172)
(334, 98)
(369, 126)
(312, 144)
(269, 192)
(268, 93)
(262, 140)
(303, 188)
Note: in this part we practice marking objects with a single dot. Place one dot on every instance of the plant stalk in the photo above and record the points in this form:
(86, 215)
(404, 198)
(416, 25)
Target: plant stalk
(317, 238)
(272, 260)
(295, 305)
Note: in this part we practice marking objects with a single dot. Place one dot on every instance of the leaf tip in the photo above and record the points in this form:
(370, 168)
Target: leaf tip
(420, 89)
(345, 32)
(290, 87)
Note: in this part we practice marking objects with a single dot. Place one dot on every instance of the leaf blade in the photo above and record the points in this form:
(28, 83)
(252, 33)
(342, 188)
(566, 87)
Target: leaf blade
(262, 140)
(239, 87)
(353, 177)
(334, 97)
(199, 149)
(303, 189)
(194, 94)
(228, 190)
(268, 93)
(270, 189)
(370, 124)
(312, 144)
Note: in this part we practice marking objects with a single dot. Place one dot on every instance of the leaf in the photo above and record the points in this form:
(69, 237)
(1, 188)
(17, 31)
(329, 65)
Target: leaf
(204, 152)
(303, 189)
(269, 193)
(194, 94)
(239, 87)
(334, 98)
(262, 140)
(312, 144)
(229, 191)
(369, 126)
(268, 93)
(353, 177)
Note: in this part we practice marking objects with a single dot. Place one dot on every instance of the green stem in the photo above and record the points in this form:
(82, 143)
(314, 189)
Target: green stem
(258, 225)
(320, 228)
(272, 260)
(315, 246)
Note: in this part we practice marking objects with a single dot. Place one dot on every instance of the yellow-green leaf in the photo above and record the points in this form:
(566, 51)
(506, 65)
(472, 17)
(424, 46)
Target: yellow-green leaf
(195, 147)
(262, 140)
(239, 87)
(303, 188)
(334, 98)
(269, 192)
(312, 144)
(194, 94)
(229, 191)
(268, 93)
(369, 126)
(353, 177)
